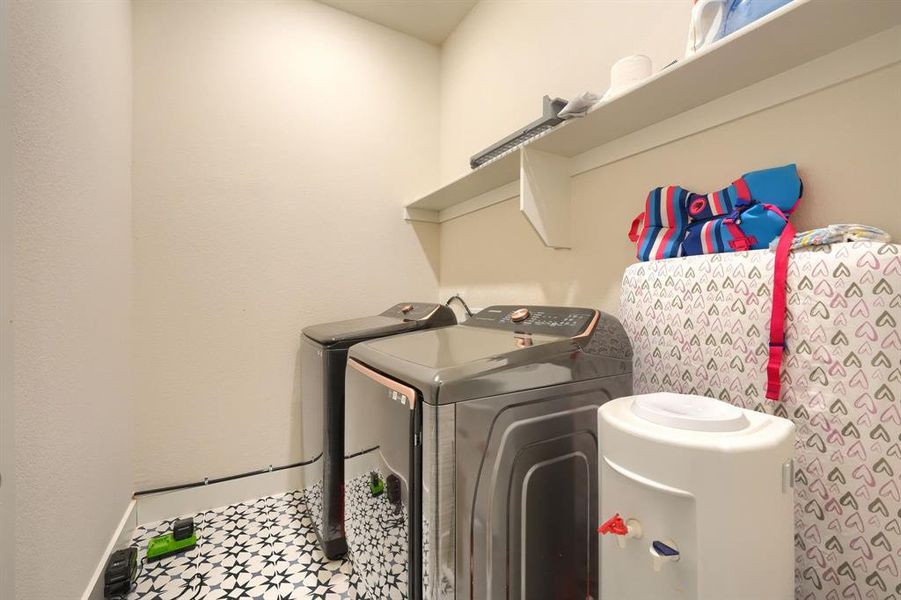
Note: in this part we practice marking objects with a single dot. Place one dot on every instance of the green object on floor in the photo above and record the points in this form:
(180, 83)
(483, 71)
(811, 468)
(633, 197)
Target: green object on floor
(376, 485)
(166, 545)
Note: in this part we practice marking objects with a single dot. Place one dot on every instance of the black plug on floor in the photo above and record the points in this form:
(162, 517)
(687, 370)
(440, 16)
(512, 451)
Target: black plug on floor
(183, 528)
(120, 572)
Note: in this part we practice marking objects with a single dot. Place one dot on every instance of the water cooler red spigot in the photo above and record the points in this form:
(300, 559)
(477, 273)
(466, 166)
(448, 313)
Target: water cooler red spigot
(623, 529)
(614, 525)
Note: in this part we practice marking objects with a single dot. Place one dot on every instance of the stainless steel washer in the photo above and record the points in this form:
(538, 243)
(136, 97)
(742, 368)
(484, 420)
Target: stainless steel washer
(473, 469)
(323, 355)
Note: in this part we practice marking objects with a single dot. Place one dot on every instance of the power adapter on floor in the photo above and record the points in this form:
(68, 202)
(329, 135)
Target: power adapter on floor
(180, 539)
(121, 569)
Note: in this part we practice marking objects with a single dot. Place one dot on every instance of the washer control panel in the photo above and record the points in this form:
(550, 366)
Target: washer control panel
(563, 321)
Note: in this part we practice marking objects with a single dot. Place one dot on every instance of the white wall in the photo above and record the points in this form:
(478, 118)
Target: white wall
(846, 140)
(275, 143)
(504, 56)
(7, 364)
(70, 74)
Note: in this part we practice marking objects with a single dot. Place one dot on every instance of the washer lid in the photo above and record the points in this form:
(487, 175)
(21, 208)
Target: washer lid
(695, 413)
(400, 318)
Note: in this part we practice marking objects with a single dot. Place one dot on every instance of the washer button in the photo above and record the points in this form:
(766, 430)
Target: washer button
(519, 315)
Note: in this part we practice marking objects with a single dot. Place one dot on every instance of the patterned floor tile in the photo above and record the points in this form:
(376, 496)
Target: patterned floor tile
(261, 549)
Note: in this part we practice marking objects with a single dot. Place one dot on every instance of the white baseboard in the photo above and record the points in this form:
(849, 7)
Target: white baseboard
(167, 505)
(121, 536)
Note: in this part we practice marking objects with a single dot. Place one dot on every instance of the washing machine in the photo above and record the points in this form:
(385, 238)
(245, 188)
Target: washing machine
(472, 454)
(696, 500)
(323, 356)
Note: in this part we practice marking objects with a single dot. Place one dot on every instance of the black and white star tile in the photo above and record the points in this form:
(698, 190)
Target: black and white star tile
(260, 549)
(377, 536)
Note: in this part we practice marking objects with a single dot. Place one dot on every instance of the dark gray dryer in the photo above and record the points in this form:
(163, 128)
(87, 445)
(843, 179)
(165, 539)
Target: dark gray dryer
(323, 351)
(473, 469)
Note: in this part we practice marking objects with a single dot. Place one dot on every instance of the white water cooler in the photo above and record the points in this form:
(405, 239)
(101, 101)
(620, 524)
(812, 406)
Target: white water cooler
(696, 500)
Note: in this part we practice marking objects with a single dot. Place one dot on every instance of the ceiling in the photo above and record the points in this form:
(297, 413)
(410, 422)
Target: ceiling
(428, 20)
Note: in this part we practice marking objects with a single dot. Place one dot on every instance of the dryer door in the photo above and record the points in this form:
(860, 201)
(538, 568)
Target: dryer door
(383, 490)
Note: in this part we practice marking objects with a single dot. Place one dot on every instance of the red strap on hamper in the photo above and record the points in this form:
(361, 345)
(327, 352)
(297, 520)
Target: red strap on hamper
(777, 318)
(633, 231)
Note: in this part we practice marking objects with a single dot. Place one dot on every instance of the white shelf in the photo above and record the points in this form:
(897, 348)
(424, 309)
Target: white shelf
(787, 38)
(491, 176)
(792, 36)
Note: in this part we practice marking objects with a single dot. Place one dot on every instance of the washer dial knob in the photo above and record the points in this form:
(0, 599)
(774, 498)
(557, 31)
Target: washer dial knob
(519, 315)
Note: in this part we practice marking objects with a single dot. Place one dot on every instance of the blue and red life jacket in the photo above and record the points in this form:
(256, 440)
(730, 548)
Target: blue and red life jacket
(747, 215)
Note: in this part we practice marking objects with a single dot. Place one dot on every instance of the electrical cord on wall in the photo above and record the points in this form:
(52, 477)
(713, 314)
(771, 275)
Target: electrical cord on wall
(208, 481)
(361, 452)
(460, 299)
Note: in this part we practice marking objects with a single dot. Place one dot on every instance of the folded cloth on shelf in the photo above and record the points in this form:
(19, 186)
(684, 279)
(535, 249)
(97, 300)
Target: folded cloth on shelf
(579, 106)
(836, 234)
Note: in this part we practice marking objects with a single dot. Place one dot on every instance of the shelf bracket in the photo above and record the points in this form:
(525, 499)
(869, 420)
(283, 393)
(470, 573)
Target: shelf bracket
(544, 196)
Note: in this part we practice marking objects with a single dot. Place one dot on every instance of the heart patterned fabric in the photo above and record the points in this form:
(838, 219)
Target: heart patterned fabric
(699, 325)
